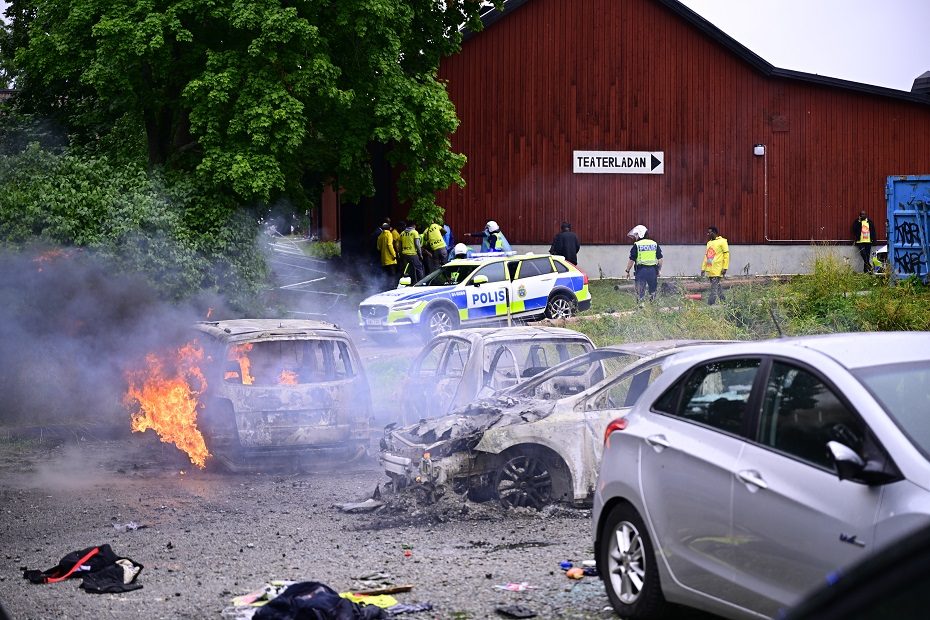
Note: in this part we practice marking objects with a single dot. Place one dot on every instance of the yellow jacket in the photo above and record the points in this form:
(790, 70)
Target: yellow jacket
(386, 248)
(716, 257)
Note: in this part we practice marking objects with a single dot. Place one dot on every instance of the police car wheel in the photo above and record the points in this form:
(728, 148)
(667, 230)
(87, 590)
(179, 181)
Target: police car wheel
(560, 307)
(438, 321)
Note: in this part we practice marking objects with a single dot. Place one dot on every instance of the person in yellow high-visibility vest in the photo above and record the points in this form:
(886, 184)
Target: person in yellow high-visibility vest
(646, 255)
(411, 254)
(864, 235)
(715, 263)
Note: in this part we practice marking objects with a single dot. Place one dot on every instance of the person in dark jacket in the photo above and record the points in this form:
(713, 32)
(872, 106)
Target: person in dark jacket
(566, 244)
(864, 235)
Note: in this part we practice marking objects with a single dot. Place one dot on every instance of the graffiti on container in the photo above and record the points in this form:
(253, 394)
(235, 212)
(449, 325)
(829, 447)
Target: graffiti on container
(910, 261)
(908, 232)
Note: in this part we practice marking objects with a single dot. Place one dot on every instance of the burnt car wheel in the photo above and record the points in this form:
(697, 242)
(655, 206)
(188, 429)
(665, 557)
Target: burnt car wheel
(628, 565)
(438, 321)
(524, 480)
(560, 306)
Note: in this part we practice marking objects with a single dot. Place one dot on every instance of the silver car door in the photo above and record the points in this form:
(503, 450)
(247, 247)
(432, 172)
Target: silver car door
(688, 460)
(796, 521)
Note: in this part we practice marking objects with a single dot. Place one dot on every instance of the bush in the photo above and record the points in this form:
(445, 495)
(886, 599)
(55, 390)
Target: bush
(181, 241)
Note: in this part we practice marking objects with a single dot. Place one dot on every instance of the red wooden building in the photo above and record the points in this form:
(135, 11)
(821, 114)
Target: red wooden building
(548, 78)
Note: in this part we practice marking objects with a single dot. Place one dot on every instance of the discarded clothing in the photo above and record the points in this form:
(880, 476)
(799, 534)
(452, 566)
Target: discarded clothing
(378, 600)
(310, 600)
(264, 594)
(103, 571)
(409, 608)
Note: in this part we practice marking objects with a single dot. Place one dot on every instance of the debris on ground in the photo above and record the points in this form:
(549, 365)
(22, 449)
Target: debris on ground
(515, 611)
(515, 587)
(102, 570)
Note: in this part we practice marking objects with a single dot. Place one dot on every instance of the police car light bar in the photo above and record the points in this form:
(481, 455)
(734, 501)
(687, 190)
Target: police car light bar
(492, 254)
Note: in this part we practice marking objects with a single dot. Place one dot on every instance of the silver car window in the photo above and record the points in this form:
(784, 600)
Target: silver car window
(904, 392)
(429, 361)
(714, 394)
(800, 415)
(626, 391)
(456, 357)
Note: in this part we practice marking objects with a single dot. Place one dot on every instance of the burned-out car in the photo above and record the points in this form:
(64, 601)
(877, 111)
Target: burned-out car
(282, 388)
(456, 367)
(532, 444)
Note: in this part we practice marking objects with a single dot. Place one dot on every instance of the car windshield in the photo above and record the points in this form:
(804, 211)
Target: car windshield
(287, 362)
(904, 392)
(576, 375)
(447, 275)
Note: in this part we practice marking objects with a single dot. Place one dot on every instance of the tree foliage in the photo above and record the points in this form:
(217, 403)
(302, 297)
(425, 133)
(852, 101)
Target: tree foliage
(168, 233)
(254, 96)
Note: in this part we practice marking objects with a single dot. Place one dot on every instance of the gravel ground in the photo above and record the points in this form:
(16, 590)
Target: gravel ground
(205, 537)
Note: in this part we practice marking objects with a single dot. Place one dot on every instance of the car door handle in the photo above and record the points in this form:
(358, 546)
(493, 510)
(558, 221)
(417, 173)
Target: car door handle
(751, 476)
(658, 442)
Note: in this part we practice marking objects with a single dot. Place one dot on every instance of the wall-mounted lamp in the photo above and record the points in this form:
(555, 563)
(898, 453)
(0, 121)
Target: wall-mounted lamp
(758, 150)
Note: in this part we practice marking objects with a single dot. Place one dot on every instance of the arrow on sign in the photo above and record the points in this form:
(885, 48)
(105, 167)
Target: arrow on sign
(656, 162)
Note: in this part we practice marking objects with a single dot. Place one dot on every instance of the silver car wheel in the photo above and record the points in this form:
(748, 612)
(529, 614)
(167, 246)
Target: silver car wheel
(440, 321)
(627, 563)
(560, 307)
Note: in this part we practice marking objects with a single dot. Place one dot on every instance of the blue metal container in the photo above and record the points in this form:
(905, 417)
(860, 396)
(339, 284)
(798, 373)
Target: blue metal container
(909, 226)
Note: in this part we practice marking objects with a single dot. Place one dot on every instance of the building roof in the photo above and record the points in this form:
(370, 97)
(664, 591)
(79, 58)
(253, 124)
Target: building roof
(491, 16)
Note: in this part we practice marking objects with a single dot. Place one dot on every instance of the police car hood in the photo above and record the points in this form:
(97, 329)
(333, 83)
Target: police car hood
(407, 293)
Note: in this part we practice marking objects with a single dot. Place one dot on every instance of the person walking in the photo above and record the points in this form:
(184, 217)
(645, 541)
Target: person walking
(449, 238)
(566, 244)
(388, 254)
(435, 247)
(646, 256)
(411, 254)
(863, 235)
(715, 264)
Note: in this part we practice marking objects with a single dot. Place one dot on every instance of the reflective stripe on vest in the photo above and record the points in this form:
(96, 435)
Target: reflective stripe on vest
(646, 252)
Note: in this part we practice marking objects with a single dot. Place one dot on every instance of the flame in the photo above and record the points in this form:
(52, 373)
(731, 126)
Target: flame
(287, 377)
(166, 392)
(209, 312)
(50, 256)
(238, 353)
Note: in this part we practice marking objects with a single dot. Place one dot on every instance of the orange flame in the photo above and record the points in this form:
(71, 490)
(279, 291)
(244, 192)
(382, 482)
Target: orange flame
(287, 377)
(166, 392)
(209, 312)
(238, 353)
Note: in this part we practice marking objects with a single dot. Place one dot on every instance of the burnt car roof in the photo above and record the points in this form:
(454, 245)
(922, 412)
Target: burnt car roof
(490, 334)
(250, 329)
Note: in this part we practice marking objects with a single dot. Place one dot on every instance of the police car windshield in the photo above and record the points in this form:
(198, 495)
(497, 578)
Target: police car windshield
(448, 275)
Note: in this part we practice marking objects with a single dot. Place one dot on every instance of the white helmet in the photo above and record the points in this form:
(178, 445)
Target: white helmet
(638, 232)
(460, 250)
(492, 226)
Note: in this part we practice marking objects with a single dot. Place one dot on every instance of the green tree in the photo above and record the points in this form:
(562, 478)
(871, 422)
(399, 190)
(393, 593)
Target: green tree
(253, 95)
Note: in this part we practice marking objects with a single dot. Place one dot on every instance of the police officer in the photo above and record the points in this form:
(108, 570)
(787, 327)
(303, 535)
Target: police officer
(492, 239)
(435, 247)
(461, 251)
(411, 254)
(646, 255)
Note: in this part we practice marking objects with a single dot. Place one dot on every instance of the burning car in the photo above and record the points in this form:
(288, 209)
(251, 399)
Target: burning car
(534, 443)
(456, 367)
(280, 388)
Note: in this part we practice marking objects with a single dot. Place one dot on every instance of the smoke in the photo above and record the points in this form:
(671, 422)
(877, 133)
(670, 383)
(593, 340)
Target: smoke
(71, 325)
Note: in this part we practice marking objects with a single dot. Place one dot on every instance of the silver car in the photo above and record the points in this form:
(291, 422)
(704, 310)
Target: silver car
(746, 476)
(531, 444)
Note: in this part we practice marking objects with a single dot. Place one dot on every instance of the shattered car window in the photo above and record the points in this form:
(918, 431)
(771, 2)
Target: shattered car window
(508, 363)
(288, 362)
(627, 390)
(576, 377)
(456, 358)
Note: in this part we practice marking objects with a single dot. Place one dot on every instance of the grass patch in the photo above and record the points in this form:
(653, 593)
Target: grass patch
(833, 298)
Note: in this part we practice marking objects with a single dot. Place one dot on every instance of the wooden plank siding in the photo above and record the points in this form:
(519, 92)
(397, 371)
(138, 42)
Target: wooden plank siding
(555, 76)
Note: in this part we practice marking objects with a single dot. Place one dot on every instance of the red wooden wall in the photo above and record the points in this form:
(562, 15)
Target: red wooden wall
(555, 76)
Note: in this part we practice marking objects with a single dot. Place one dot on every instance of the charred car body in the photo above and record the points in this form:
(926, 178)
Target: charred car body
(456, 367)
(532, 444)
(282, 388)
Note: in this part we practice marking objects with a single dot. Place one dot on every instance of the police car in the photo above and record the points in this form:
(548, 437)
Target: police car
(486, 288)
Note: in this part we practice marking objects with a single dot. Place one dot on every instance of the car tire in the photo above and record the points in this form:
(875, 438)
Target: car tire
(561, 306)
(628, 567)
(524, 480)
(438, 321)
